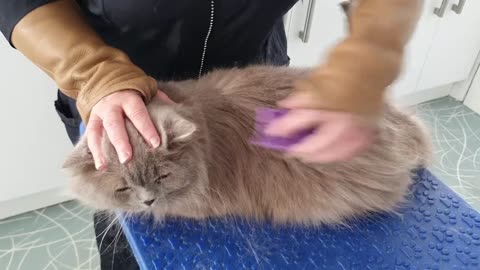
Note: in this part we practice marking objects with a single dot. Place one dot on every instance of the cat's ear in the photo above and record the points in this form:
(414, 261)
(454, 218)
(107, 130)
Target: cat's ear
(81, 157)
(176, 130)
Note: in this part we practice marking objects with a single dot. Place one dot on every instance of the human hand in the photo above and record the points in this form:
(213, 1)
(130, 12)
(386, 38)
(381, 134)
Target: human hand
(337, 136)
(109, 114)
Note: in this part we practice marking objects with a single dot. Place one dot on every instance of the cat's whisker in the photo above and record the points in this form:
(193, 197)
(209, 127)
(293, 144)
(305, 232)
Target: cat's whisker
(104, 216)
(115, 241)
(104, 232)
(112, 243)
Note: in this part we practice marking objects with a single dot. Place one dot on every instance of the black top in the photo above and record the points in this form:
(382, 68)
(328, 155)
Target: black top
(166, 38)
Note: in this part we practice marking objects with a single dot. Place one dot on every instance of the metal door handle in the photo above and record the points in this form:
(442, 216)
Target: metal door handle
(458, 8)
(305, 33)
(440, 11)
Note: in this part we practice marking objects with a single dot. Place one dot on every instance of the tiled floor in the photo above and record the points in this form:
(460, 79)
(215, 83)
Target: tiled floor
(61, 237)
(456, 135)
(55, 238)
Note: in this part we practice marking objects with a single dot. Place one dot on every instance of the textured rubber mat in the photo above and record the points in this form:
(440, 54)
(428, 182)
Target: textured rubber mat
(436, 230)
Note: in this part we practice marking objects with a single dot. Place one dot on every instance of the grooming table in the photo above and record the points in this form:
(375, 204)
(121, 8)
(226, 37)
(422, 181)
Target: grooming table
(435, 230)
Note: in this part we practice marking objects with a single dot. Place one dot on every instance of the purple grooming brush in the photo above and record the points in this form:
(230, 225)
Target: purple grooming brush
(264, 116)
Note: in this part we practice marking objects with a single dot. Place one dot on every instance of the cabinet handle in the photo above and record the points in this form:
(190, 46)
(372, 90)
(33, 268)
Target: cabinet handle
(440, 11)
(305, 33)
(458, 8)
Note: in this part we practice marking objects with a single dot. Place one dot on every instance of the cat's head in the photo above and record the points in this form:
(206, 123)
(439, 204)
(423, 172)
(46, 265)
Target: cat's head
(155, 179)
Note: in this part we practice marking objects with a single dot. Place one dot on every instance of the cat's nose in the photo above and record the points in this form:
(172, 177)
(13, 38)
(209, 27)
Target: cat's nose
(149, 202)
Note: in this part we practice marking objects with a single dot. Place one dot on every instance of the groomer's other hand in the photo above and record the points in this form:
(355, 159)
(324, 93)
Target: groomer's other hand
(338, 136)
(109, 114)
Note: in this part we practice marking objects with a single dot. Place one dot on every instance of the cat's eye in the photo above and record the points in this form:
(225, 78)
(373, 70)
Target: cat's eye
(122, 189)
(161, 177)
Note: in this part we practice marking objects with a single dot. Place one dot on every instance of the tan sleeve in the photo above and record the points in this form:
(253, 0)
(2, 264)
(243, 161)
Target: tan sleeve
(362, 66)
(57, 39)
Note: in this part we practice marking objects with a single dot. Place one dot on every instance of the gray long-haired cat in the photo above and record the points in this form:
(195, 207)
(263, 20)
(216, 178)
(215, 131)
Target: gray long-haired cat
(206, 166)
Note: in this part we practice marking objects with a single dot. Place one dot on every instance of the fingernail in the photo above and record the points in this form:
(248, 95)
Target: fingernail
(124, 156)
(286, 102)
(155, 142)
(283, 103)
(99, 165)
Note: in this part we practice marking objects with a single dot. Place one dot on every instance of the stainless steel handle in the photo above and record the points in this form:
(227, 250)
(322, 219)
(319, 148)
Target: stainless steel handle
(458, 8)
(305, 33)
(440, 11)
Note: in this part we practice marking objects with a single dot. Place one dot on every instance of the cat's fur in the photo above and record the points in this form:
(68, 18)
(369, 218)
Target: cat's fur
(207, 167)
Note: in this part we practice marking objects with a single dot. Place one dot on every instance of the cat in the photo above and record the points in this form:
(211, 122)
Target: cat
(206, 166)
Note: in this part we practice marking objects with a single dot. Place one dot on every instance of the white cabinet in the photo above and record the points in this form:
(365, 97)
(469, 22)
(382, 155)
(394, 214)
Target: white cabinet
(455, 45)
(472, 100)
(328, 26)
(442, 50)
(417, 50)
(33, 141)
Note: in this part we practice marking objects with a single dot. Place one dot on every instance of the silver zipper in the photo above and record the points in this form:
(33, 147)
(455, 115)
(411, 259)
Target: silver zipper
(205, 45)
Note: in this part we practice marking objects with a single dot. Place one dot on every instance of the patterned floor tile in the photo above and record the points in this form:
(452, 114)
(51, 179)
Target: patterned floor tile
(455, 130)
(58, 237)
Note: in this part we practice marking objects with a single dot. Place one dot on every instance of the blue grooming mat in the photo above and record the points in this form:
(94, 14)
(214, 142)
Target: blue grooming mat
(435, 230)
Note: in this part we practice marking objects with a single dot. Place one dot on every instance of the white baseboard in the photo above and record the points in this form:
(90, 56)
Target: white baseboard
(461, 89)
(473, 96)
(422, 96)
(33, 202)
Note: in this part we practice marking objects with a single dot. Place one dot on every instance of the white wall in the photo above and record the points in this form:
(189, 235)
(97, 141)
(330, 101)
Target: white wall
(33, 142)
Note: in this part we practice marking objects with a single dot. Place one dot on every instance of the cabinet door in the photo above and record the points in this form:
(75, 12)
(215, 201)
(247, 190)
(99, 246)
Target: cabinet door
(417, 50)
(328, 27)
(32, 137)
(455, 46)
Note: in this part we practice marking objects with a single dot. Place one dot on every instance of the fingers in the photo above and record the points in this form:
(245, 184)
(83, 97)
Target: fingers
(337, 136)
(114, 125)
(343, 149)
(94, 141)
(294, 122)
(322, 140)
(137, 112)
(162, 96)
(108, 114)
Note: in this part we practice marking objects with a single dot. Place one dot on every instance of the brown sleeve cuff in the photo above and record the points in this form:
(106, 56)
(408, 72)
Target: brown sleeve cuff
(353, 80)
(109, 76)
(146, 86)
(361, 67)
(57, 39)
